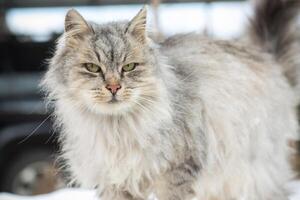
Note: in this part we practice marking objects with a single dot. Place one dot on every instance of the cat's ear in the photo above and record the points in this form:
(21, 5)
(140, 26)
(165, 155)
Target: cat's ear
(75, 24)
(137, 26)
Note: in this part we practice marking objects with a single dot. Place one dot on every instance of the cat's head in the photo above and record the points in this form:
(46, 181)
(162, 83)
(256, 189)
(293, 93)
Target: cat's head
(109, 68)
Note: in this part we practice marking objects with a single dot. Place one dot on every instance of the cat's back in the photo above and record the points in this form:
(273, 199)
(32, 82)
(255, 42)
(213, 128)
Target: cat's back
(202, 60)
(190, 49)
(236, 83)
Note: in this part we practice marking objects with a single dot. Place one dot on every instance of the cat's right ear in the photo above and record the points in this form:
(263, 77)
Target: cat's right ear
(75, 24)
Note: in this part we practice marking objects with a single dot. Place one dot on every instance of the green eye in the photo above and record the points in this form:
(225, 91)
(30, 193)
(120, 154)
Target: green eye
(92, 67)
(129, 67)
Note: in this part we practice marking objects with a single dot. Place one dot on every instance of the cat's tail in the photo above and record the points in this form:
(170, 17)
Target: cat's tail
(273, 28)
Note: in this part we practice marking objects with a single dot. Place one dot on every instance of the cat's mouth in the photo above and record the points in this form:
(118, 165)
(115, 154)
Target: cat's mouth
(113, 100)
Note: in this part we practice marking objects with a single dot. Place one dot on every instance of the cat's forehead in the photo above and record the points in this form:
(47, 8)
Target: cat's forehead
(111, 40)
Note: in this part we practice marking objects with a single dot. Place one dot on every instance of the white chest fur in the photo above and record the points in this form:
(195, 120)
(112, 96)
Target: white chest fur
(111, 151)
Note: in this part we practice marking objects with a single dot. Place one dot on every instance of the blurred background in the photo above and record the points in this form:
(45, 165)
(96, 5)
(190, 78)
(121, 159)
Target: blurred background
(28, 31)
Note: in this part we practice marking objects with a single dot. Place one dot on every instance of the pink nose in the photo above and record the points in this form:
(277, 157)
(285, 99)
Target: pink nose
(113, 88)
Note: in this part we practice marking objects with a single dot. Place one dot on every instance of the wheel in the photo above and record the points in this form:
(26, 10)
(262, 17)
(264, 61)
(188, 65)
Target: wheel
(32, 172)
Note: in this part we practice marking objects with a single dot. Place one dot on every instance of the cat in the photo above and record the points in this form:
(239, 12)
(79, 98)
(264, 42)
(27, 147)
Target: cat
(190, 117)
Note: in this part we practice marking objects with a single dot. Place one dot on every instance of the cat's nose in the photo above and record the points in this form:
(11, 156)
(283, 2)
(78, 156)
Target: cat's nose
(113, 88)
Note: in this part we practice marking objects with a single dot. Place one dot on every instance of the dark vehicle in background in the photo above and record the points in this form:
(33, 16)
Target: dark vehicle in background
(27, 139)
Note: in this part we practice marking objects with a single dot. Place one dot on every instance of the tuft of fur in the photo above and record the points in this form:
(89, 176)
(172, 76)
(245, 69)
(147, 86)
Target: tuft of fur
(274, 28)
(196, 117)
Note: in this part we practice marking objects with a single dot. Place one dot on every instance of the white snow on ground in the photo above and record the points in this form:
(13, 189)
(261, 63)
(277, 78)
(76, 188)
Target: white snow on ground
(81, 194)
(64, 194)
(294, 187)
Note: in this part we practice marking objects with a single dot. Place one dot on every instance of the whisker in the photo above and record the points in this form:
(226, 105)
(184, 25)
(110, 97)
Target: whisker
(50, 137)
(153, 101)
(147, 100)
(139, 86)
(28, 136)
(144, 108)
(188, 76)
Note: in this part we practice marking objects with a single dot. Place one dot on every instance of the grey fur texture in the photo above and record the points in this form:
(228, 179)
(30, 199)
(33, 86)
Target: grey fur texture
(195, 118)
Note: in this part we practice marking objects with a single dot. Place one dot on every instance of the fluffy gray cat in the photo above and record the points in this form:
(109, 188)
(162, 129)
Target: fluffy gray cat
(189, 117)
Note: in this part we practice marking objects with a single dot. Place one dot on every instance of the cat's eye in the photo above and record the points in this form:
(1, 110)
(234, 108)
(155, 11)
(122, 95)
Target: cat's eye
(129, 67)
(92, 67)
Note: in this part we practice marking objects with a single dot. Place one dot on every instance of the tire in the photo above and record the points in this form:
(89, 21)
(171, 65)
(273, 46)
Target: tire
(31, 172)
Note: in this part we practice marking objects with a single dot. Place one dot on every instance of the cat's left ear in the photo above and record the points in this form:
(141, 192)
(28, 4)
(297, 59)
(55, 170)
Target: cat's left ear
(137, 26)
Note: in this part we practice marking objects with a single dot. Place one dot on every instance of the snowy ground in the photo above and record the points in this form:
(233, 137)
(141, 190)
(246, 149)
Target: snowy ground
(80, 194)
(294, 187)
(65, 194)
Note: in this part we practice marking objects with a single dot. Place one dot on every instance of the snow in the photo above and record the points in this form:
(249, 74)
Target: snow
(63, 194)
(79, 194)
(294, 187)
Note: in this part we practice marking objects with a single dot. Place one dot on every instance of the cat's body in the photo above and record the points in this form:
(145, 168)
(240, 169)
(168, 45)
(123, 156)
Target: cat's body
(209, 119)
(236, 122)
